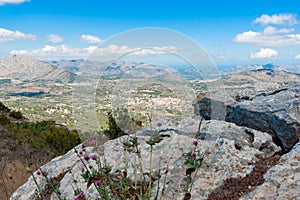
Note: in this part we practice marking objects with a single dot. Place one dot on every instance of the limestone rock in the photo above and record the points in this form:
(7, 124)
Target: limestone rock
(224, 162)
(282, 181)
(276, 112)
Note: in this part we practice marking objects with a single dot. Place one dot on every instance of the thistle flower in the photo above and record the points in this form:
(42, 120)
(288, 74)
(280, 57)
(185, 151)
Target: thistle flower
(92, 143)
(98, 182)
(44, 173)
(195, 142)
(207, 151)
(194, 155)
(38, 172)
(159, 124)
(94, 157)
(51, 179)
(86, 157)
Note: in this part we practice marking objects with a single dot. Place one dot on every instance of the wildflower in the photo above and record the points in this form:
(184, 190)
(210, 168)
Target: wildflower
(126, 132)
(86, 157)
(44, 173)
(94, 157)
(194, 155)
(195, 143)
(115, 192)
(82, 170)
(38, 172)
(80, 196)
(207, 151)
(92, 143)
(83, 149)
(51, 179)
(159, 124)
(80, 152)
(98, 182)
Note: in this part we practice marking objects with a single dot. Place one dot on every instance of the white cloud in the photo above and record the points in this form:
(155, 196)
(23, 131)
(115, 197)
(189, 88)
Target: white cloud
(297, 57)
(270, 30)
(8, 35)
(277, 19)
(264, 53)
(2, 2)
(91, 39)
(55, 38)
(65, 52)
(270, 36)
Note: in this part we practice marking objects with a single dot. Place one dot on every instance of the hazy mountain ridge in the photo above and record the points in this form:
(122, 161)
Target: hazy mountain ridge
(29, 68)
(295, 69)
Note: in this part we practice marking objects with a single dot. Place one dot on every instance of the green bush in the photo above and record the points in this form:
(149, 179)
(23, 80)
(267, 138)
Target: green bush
(47, 135)
(4, 108)
(113, 130)
(16, 114)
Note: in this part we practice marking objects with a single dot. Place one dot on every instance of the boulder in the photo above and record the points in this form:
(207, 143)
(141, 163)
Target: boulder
(276, 112)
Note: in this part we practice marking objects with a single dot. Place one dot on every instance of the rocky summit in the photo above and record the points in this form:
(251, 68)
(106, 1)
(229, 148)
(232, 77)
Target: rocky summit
(244, 163)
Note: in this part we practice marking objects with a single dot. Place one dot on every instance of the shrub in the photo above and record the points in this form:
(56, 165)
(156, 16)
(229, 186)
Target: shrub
(113, 130)
(16, 114)
(4, 108)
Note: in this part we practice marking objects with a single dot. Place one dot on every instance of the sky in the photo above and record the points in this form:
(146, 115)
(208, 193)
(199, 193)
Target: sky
(232, 32)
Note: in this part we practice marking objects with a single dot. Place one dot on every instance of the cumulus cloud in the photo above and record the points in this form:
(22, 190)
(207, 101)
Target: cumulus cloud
(2, 2)
(297, 57)
(270, 30)
(55, 38)
(277, 19)
(264, 53)
(91, 39)
(9, 35)
(270, 36)
(64, 51)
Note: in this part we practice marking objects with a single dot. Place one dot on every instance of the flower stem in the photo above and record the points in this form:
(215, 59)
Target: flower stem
(193, 180)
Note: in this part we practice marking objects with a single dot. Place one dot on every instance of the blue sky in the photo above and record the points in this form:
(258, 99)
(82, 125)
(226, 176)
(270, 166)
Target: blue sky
(232, 32)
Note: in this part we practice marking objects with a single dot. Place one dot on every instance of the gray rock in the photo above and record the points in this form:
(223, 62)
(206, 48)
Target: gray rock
(276, 113)
(224, 162)
(282, 181)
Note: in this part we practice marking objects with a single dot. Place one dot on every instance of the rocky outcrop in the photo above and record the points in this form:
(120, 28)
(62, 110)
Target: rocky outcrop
(233, 151)
(281, 181)
(276, 112)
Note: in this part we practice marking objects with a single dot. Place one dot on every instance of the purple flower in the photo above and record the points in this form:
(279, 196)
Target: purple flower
(115, 192)
(83, 149)
(92, 143)
(195, 143)
(80, 152)
(79, 196)
(82, 170)
(194, 155)
(98, 182)
(94, 157)
(159, 124)
(44, 173)
(207, 151)
(38, 172)
(86, 157)
(51, 179)
(126, 132)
